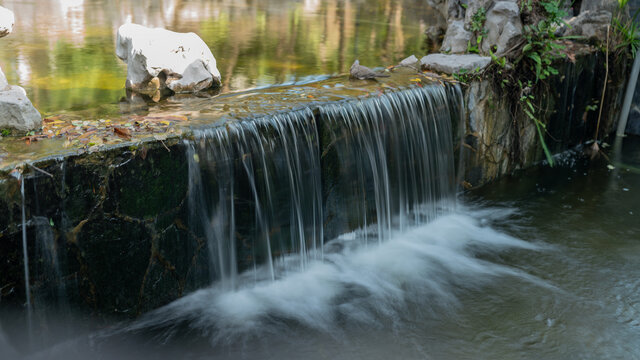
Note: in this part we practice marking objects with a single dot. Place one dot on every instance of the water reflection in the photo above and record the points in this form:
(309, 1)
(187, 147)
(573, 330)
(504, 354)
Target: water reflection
(62, 51)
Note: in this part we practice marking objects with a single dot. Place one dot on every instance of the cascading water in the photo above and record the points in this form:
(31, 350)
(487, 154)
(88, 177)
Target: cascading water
(386, 161)
(323, 219)
(265, 175)
(270, 191)
(25, 253)
(392, 158)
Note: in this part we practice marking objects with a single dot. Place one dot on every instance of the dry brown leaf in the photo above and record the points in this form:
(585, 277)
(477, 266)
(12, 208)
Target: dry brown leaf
(122, 132)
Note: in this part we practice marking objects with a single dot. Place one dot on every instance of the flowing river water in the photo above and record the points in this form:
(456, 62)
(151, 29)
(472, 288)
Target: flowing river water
(543, 265)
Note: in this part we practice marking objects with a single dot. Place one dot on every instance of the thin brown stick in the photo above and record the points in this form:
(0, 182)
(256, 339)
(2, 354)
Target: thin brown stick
(40, 170)
(165, 146)
(604, 89)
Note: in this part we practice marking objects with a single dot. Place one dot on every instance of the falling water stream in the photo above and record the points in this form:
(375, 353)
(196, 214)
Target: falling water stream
(25, 260)
(387, 163)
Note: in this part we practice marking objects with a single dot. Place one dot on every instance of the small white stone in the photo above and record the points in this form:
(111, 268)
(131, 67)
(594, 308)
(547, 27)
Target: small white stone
(451, 64)
(4, 84)
(6, 21)
(17, 112)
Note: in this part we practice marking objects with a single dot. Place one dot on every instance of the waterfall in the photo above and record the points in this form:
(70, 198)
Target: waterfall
(340, 214)
(263, 189)
(26, 263)
(263, 174)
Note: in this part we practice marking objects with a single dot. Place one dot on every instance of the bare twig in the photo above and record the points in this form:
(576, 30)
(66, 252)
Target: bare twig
(165, 146)
(40, 170)
(604, 90)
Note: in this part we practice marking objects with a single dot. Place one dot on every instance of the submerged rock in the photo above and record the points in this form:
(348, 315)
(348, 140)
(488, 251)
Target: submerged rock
(451, 64)
(160, 59)
(456, 39)
(592, 25)
(6, 21)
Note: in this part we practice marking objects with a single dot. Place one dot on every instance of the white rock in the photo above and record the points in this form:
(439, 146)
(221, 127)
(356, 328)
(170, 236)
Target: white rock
(457, 38)
(451, 64)
(504, 27)
(590, 24)
(4, 84)
(6, 21)
(16, 111)
(410, 61)
(158, 58)
(592, 5)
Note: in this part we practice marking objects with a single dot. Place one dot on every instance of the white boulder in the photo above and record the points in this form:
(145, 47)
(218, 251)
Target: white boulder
(592, 25)
(456, 39)
(595, 5)
(504, 27)
(16, 111)
(411, 61)
(158, 58)
(4, 84)
(6, 21)
(451, 64)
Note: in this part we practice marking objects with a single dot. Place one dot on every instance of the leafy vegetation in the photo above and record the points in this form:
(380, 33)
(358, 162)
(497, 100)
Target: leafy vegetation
(537, 56)
(478, 30)
(627, 31)
(466, 76)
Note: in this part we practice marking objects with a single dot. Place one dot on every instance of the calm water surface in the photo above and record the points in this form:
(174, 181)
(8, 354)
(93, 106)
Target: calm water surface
(62, 51)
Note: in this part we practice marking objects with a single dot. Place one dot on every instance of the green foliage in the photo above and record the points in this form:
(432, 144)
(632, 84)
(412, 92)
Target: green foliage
(622, 4)
(5, 132)
(526, 5)
(627, 32)
(526, 101)
(540, 49)
(501, 63)
(539, 53)
(479, 32)
(466, 76)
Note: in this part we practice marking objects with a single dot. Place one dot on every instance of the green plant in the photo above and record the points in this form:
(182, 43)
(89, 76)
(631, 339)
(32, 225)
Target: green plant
(538, 54)
(466, 76)
(627, 31)
(478, 30)
(501, 63)
(541, 49)
(5, 132)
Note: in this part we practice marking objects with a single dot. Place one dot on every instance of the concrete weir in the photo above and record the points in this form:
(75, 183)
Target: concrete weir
(255, 175)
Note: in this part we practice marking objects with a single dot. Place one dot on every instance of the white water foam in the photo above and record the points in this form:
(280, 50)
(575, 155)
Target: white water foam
(355, 283)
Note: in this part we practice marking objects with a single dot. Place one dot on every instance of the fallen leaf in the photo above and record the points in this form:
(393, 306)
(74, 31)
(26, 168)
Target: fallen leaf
(87, 134)
(122, 132)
